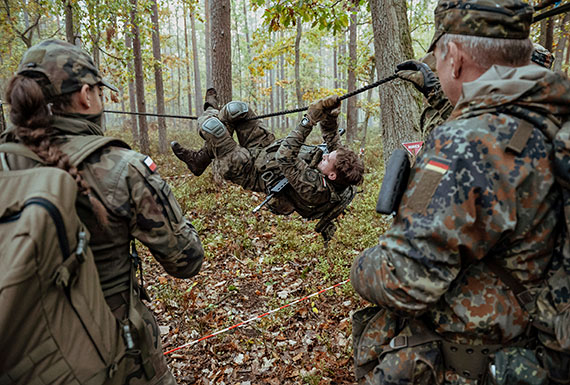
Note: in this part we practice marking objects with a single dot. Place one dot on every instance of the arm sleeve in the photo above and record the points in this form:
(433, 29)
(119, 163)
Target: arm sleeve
(442, 218)
(157, 221)
(308, 182)
(329, 130)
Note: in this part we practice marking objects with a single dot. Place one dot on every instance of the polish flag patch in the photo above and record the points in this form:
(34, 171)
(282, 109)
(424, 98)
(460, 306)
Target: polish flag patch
(438, 165)
(150, 164)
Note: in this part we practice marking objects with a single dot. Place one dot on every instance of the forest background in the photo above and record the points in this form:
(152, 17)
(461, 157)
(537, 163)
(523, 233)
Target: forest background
(275, 55)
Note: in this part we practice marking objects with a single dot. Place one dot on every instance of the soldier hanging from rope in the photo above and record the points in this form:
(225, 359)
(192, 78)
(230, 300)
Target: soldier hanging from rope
(317, 185)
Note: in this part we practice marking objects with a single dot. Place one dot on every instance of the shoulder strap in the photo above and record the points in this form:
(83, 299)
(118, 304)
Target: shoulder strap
(79, 147)
(19, 149)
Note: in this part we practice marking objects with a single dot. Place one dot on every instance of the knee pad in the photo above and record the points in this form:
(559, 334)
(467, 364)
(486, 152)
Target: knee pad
(236, 110)
(214, 127)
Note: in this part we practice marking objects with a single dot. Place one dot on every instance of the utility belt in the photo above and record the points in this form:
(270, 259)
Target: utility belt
(389, 349)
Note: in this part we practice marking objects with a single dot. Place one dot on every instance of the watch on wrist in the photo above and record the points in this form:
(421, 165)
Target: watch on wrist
(305, 122)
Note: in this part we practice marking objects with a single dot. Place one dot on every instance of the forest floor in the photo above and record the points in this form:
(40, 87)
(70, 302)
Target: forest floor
(256, 263)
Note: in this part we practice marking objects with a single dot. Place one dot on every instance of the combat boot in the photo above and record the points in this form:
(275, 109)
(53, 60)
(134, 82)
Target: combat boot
(211, 99)
(197, 161)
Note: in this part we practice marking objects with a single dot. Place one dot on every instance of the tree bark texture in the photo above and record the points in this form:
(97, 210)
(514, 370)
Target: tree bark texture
(298, 90)
(131, 85)
(139, 81)
(351, 113)
(221, 50)
(208, 44)
(158, 81)
(69, 32)
(187, 54)
(559, 52)
(400, 112)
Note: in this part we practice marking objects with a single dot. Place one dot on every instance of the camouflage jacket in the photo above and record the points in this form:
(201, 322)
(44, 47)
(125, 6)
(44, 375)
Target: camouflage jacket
(469, 198)
(436, 113)
(139, 204)
(309, 191)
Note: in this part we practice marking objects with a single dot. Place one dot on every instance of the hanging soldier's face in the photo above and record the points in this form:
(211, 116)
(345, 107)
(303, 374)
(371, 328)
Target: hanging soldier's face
(327, 165)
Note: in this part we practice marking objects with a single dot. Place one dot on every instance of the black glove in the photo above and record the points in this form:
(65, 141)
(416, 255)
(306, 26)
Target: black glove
(419, 74)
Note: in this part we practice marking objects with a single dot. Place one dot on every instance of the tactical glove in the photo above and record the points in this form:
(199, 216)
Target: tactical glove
(419, 74)
(326, 108)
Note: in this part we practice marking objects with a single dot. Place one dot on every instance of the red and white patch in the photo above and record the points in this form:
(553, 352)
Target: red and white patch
(150, 164)
(324, 181)
(413, 147)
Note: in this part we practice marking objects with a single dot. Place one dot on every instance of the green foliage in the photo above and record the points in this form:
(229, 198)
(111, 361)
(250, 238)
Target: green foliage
(322, 14)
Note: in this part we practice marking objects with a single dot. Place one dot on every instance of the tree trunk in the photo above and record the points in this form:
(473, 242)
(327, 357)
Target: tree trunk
(187, 53)
(368, 112)
(131, 84)
(139, 80)
(298, 91)
(221, 50)
(162, 145)
(567, 57)
(547, 33)
(197, 86)
(69, 32)
(208, 45)
(559, 52)
(335, 64)
(392, 45)
(351, 113)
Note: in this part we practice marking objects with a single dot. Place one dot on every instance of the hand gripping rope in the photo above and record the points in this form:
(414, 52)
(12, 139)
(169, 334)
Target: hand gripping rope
(243, 323)
(345, 96)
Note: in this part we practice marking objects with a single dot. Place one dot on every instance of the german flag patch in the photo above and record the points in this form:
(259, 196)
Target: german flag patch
(438, 165)
(430, 178)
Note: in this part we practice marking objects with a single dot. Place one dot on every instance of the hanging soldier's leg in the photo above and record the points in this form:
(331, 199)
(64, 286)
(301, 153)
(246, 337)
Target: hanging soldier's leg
(198, 160)
(250, 133)
(234, 163)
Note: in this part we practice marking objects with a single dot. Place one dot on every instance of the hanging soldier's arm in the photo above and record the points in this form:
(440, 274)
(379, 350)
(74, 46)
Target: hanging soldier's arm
(158, 221)
(308, 182)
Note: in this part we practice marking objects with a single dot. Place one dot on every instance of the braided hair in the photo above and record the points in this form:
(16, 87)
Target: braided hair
(32, 115)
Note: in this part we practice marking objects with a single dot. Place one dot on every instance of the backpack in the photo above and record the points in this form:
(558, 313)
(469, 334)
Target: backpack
(55, 325)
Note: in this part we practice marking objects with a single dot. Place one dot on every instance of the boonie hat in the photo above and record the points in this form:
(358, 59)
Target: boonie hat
(503, 19)
(60, 67)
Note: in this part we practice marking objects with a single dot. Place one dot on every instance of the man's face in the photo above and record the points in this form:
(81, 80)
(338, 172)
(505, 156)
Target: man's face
(327, 165)
(445, 67)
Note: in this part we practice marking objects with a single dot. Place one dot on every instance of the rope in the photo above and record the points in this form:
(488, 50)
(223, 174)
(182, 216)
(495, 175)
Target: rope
(552, 12)
(345, 96)
(243, 323)
(149, 114)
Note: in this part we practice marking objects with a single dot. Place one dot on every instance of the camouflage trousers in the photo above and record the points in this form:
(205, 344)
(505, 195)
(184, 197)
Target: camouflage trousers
(239, 162)
(134, 371)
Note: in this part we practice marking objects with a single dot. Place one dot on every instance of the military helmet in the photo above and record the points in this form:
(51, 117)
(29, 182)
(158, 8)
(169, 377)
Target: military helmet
(504, 19)
(542, 56)
(60, 68)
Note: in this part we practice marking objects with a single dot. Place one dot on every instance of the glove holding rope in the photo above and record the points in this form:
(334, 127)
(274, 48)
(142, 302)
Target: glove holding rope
(419, 74)
(324, 109)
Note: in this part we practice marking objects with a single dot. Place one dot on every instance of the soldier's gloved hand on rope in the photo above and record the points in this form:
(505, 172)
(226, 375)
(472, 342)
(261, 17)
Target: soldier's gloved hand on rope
(324, 109)
(419, 74)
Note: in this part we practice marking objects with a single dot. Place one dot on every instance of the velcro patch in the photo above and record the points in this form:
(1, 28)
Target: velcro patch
(430, 179)
(149, 163)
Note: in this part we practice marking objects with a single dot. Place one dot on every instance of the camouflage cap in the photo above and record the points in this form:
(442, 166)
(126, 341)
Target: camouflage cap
(542, 56)
(60, 68)
(505, 19)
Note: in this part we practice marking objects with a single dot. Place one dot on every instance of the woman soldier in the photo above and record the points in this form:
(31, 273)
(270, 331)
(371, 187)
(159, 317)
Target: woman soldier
(56, 107)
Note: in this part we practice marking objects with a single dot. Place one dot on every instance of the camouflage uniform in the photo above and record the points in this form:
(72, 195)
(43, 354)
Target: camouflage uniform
(259, 162)
(139, 203)
(470, 199)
